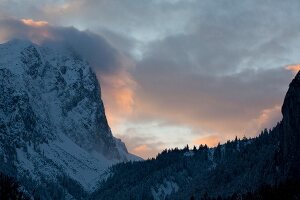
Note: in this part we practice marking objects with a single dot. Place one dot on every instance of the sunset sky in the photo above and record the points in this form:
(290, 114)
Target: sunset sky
(174, 72)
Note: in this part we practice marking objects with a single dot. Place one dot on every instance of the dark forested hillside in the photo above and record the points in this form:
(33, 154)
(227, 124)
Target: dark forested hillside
(265, 165)
(10, 188)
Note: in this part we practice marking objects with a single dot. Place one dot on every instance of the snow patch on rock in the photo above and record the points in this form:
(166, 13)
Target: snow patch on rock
(161, 191)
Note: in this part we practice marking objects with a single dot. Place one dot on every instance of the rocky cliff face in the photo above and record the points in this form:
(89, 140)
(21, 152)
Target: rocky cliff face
(291, 129)
(52, 118)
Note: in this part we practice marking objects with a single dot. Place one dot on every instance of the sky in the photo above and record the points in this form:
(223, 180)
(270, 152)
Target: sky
(174, 72)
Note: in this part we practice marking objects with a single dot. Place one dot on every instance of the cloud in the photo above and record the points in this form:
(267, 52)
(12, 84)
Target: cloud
(242, 26)
(214, 108)
(266, 119)
(141, 150)
(119, 96)
(225, 105)
(295, 68)
(145, 146)
(97, 50)
(222, 73)
(214, 67)
(33, 23)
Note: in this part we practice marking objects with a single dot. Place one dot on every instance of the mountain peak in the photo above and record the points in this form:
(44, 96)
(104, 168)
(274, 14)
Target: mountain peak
(298, 75)
(291, 128)
(292, 100)
(52, 118)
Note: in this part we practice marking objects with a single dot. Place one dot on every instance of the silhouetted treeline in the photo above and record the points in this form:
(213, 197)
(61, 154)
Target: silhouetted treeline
(10, 189)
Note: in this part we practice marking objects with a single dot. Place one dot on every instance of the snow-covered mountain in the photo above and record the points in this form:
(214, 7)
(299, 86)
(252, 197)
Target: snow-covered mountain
(53, 129)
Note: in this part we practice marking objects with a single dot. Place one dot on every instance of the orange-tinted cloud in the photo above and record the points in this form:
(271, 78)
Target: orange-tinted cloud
(35, 31)
(295, 68)
(267, 118)
(118, 95)
(141, 149)
(31, 22)
(121, 88)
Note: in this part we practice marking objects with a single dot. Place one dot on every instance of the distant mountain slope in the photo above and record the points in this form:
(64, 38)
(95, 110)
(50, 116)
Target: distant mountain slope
(236, 167)
(54, 136)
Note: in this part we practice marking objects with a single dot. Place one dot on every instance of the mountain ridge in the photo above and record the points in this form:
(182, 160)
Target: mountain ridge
(52, 119)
